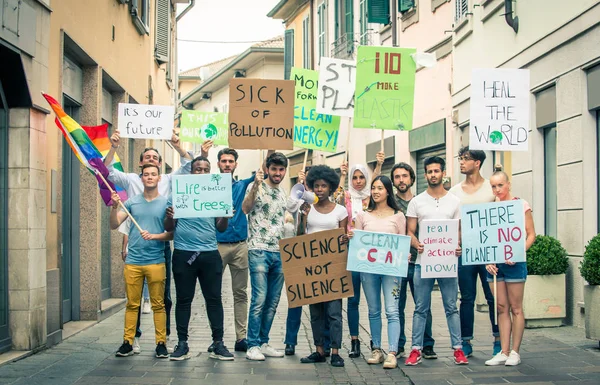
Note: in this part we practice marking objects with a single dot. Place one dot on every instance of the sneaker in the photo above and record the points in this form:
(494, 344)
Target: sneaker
(290, 350)
(459, 357)
(514, 359)
(428, 353)
(221, 353)
(125, 350)
(497, 348)
(414, 358)
(467, 348)
(146, 308)
(136, 346)
(254, 354)
(390, 362)
(161, 350)
(211, 348)
(313, 358)
(354, 349)
(498, 359)
(400, 353)
(269, 351)
(337, 361)
(376, 357)
(241, 345)
(181, 352)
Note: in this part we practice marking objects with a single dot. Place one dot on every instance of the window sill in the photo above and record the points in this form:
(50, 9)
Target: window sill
(462, 30)
(140, 26)
(490, 7)
(409, 18)
(435, 4)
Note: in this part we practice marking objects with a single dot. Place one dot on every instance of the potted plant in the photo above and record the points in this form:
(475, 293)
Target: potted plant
(590, 271)
(545, 297)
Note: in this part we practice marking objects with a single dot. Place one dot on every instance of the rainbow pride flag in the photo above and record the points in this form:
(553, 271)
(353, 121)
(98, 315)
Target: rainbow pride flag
(82, 146)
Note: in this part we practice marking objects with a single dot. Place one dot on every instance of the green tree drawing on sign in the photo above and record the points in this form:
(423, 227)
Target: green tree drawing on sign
(215, 178)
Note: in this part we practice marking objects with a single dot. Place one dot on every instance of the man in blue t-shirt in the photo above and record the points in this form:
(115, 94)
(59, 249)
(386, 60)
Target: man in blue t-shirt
(145, 258)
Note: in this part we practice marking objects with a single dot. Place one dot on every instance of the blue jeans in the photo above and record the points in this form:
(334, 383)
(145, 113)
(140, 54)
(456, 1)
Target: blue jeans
(292, 326)
(372, 285)
(266, 277)
(353, 303)
(467, 282)
(422, 293)
(428, 340)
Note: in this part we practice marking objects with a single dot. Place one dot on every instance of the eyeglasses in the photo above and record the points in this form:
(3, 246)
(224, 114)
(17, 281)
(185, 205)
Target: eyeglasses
(464, 158)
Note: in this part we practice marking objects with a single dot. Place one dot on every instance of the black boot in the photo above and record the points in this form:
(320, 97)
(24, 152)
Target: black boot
(355, 349)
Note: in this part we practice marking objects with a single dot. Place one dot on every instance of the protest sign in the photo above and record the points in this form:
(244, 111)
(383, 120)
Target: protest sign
(261, 114)
(202, 195)
(337, 81)
(198, 126)
(499, 109)
(385, 88)
(312, 129)
(440, 240)
(314, 267)
(493, 232)
(379, 253)
(144, 121)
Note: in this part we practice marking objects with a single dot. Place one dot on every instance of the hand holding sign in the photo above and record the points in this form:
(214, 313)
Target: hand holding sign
(115, 139)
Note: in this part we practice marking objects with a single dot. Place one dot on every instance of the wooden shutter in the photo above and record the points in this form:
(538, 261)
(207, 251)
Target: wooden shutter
(162, 40)
(405, 5)
(378, 11)
(349, 24)
(288, 53)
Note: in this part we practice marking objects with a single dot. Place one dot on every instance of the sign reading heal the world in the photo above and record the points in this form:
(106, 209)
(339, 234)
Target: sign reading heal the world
(337, 81)
(493, 233)
(499, 102)
(440, 240)
(314, 267)
(312, 129)
(379, 253)
(199, 126)
(385, 88)
(146, 121)
(202, 195)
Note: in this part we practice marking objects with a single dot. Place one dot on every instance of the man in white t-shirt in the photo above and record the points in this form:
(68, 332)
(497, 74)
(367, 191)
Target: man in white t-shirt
(434, 203)
(473, 190)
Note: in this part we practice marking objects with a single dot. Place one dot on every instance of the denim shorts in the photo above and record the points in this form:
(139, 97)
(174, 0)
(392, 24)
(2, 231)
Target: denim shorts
(510, 273)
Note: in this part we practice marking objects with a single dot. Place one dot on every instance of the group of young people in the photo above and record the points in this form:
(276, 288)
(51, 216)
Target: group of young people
(248, 243)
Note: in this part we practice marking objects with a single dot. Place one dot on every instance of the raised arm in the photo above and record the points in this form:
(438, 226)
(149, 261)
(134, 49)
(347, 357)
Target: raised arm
(177, 146)
(115, 142)
(380, 159)
(250, 198)
(264, 164)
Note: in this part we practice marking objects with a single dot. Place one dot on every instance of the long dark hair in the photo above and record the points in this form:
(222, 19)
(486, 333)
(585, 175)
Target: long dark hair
(391, 201)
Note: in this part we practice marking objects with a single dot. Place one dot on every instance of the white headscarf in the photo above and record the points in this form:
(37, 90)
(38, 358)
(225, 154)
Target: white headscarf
(356, 197)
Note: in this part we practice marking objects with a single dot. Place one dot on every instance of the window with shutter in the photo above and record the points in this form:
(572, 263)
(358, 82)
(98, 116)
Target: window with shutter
(378, 11)
(163, 31)
(363, 22)
(288, 53)
(322, 13)
(349, 24)
(306, 42)
(461, 7)
(140, 10)
(406, 5)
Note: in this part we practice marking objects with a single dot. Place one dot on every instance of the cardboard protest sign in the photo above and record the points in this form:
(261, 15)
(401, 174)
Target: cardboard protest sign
(499, 109)
(440, 238)
(144, 121)
(312, 129)
(314, 266)
(493, 233)
(379, 253)
(261, 114)
(199, 126)
(202, 195)
(385, 88)
(337, 81)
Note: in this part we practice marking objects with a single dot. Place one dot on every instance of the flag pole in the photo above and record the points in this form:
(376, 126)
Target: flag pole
(305, 160)
(120, 202)
(348, 140)
(382, 139)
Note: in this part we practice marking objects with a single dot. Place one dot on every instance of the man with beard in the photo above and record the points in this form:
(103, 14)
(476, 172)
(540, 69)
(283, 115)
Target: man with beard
(403, 177)
(265, 204)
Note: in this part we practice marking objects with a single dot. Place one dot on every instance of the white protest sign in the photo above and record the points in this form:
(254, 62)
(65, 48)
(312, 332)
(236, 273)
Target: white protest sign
(337, 81)
(499, 109)
(144, 121)
(202, 195)
(440, 238)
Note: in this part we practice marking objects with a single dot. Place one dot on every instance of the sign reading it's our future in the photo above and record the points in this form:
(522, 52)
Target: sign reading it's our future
(202, 195)
(379, 253)
(146, 121)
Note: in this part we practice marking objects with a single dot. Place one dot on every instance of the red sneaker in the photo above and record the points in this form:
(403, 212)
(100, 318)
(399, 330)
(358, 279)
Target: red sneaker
(414, 358)
(460, 358)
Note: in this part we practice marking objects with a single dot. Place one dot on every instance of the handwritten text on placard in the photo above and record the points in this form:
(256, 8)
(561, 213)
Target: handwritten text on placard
(379, 253)
(198, 126)
(337, 81)
(202, 195)
(144, 121)
(440, 240)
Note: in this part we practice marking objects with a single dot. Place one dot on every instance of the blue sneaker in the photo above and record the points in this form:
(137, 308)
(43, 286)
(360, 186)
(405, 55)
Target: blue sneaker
(497, 348)
(467, 348)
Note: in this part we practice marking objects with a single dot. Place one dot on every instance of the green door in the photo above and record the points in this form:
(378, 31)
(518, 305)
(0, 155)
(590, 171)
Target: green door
(4, 333)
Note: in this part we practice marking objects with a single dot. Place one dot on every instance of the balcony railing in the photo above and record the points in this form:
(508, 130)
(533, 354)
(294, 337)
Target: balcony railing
(345, 46)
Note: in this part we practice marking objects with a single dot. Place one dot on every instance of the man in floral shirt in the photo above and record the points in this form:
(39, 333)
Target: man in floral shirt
(265, 204)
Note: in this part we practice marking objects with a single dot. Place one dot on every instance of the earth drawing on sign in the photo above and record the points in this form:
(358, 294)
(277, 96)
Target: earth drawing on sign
(209, 131)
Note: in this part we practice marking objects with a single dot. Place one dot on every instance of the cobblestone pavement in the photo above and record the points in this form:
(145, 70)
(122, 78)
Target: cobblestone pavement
(550, 356)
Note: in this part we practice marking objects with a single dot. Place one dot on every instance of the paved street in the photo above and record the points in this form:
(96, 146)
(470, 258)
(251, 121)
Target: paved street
(550, 356)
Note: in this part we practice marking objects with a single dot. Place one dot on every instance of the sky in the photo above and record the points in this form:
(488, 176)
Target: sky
(223, 21)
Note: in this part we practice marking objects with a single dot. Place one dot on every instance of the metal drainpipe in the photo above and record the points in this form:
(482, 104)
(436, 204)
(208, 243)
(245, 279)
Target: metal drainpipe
(508, 16)
(186, 10)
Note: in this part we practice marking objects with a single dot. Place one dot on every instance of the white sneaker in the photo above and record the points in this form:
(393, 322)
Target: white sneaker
(146, 308)
(254, 354)
(514, 359)
(136, 346)
(390, 362)
(377, 357)
(269, 351)
(170, 348)
(498, 359)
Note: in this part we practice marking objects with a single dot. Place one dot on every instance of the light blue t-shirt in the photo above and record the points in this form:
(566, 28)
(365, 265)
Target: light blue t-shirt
(150, 216)
(195, 234)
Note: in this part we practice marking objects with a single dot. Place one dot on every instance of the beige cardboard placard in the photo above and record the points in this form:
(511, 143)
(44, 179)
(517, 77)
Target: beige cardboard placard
(261, 114)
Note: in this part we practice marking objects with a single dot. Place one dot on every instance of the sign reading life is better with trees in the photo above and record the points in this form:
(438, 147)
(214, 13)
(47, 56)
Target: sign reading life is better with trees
(202, 195)
(440, 240)
(493, 233)
(198, 126)
(314, 267)
(312, 129)
(337, 81)
(385, 88)
(261, 114)
(499, 109)
(379, 253)
(144, 121)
